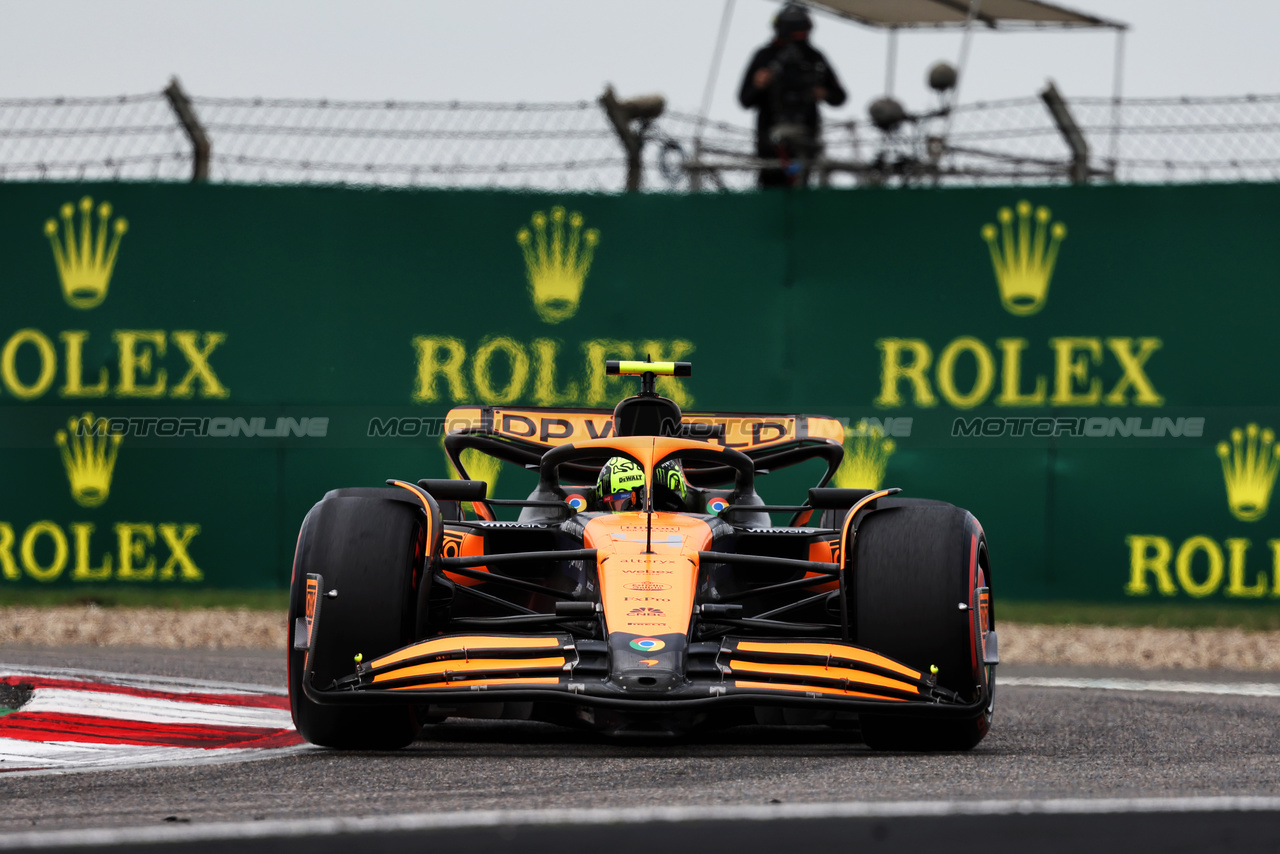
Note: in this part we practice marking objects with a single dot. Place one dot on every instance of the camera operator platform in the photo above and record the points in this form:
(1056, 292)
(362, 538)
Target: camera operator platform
(784, 83)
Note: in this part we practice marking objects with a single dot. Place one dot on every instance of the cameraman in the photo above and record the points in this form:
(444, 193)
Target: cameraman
(785, 82)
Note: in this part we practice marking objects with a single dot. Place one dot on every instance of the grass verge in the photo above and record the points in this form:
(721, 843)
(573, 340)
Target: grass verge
(181, 599)
(1255, 618)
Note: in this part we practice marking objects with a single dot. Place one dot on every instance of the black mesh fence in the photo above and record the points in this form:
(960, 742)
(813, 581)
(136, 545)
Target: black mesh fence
(573, 146)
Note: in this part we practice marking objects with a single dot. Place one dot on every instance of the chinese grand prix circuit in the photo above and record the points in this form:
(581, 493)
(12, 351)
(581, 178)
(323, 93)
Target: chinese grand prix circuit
(1111, 761)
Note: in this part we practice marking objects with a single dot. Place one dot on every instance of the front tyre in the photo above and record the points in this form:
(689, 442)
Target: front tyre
(915, 565)
(371, 551)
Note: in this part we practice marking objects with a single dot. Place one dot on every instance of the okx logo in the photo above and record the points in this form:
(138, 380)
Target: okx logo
(85, 256)
(1023, 255)
(557, 258)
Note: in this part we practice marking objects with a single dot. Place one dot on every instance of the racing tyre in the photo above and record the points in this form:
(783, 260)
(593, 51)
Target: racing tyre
(914, 564)
(370, 549)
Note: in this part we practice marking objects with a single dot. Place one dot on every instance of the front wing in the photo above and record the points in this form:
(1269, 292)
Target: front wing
(491, 667)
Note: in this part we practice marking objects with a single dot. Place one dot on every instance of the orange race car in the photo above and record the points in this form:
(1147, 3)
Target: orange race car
(643, 589)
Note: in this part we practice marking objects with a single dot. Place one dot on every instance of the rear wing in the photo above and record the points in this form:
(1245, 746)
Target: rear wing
(521, 435)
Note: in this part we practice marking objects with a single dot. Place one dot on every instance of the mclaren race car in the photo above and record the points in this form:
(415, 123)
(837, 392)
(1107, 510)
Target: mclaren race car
(643, 588)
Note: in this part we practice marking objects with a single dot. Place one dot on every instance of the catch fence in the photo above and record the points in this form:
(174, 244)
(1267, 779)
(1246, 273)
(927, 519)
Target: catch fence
(575, 145)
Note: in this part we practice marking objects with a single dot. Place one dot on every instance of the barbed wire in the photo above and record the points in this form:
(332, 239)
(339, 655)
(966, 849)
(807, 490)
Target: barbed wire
(573, 146)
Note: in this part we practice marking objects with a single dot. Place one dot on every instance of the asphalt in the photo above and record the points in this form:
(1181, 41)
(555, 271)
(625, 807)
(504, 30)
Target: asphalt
(1046, 743)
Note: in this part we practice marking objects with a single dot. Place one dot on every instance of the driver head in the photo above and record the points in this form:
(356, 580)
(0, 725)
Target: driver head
(621, 486)
(670, 491)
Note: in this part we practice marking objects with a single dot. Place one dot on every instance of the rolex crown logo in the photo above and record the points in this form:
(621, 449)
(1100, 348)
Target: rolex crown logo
(865, 459)
(557, 259)
(1249, 465)
(89, 456)
(86, 259)
(1023, 257)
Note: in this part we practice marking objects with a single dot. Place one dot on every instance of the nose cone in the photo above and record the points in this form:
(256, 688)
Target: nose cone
(652, 679)
(641, 665)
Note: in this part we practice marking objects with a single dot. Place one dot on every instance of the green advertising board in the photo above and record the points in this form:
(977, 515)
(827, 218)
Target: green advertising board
(1087, 369)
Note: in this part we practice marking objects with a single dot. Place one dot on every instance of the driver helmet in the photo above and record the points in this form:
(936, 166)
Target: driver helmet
(793, 19)
(670, 490)
(621, 486)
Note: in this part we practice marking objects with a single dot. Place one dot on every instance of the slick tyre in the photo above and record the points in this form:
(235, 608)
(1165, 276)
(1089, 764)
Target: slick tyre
(914, 565)
(370, 550)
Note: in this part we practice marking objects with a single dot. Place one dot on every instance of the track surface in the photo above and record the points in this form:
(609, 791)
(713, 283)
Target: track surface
(1047, 743)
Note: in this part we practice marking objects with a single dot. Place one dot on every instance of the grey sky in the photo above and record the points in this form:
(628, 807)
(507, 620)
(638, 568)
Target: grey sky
(557, 50)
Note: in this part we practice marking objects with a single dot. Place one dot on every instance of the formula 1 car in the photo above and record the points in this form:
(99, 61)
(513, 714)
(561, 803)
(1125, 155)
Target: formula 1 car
(685, 606)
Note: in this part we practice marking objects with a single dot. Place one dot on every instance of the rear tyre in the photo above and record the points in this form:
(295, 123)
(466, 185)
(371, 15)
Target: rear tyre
(370, 549)
(914, 564)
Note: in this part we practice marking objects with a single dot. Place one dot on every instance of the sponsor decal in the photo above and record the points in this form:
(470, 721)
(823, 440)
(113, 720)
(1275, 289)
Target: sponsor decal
(577, 502)
(646, 585)
(558, 250)
(717, 504)
(89, 458)
(44, 553)
(966, 372)
(557, 257)
(1023, 255)
(313, 594)
(501, 370)
(85, 257)
(1249, 465)
(648, 644)
(910, 375)
(30, 363)
(451, 544)
(798, 531)
(648, 662)
(646, 612)
(1201, 566)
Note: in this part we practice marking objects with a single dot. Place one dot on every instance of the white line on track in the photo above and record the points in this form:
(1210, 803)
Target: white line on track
(142, 680)
(134, 836)
(127, 707)
(1237, 689)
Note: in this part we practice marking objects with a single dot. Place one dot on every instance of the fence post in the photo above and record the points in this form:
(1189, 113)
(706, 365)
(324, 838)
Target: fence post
(1070, 132)
(621, 114)
(200, 149)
